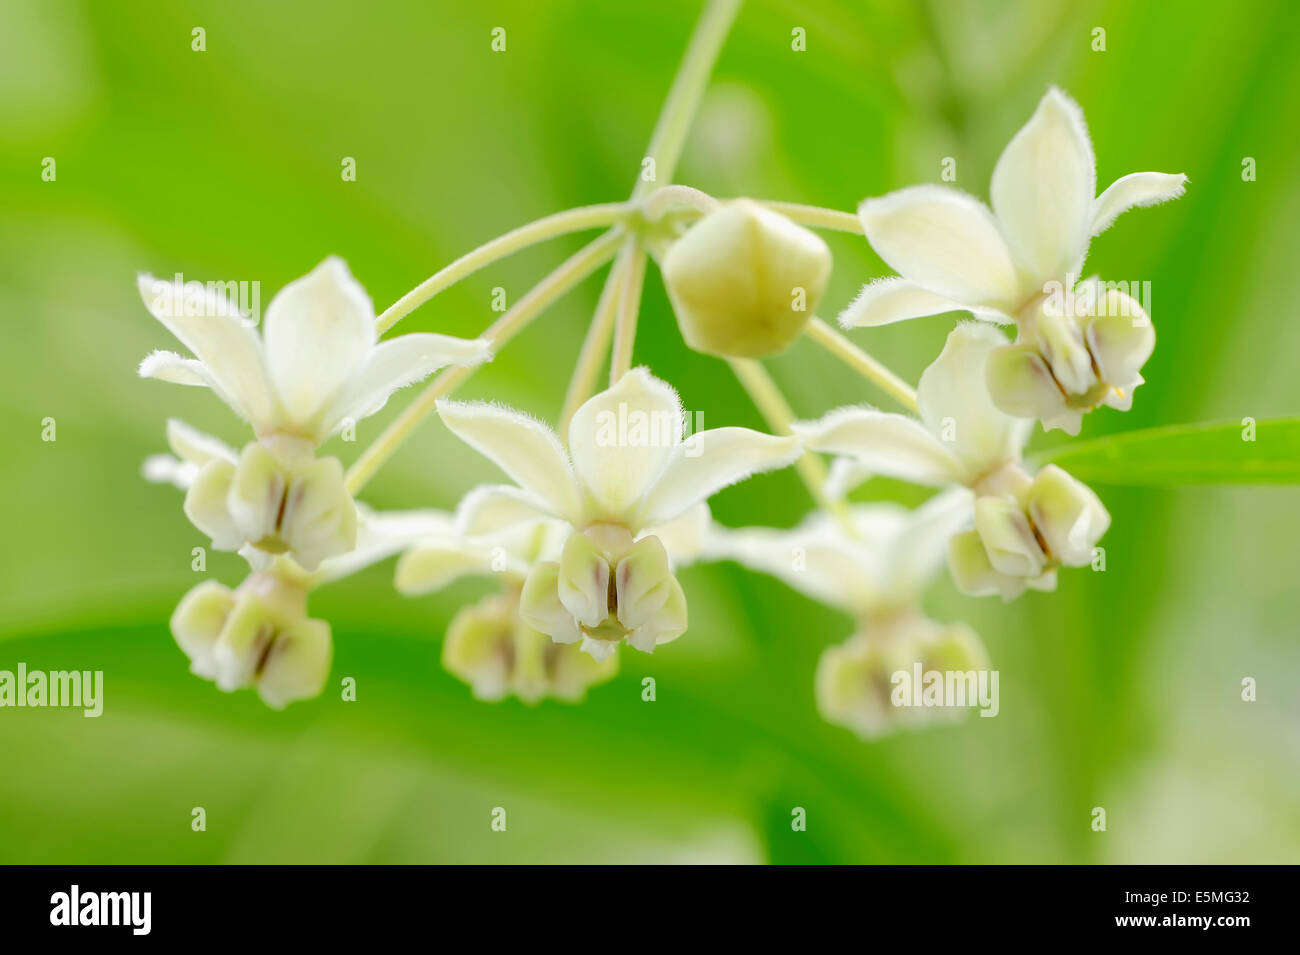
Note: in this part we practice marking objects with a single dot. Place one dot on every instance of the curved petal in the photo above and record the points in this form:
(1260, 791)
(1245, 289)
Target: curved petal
(1042, 191)
(955, 404)
(396, 363)
(319, 330)
(895, 300)
(495, 507)
(1129, 192)
(815, 559)
(921, 549)
(436, 563)
(685, 535)
(527, 450)
(211, 326)
(382, 534)
(945, 241)
(713, 460)
(622, 439)
(890, 444)
(179, 370)
(192, 445)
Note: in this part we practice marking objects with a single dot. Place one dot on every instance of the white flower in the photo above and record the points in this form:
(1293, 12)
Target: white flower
(874, 562)
(489, 645)
(275, 495)
(1023, 526)
(628, 462)
(317, 365)
(259, 634)
(628, 468)
(1018, 262)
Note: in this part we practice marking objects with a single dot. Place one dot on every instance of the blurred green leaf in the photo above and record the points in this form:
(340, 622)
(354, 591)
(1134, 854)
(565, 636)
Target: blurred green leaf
(1230, 452)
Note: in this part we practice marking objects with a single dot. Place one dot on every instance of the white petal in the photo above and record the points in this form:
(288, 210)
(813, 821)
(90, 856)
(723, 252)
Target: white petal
(178, 370)
(165, 469)
(527, 450)
(921, 547)
(319, 331)
(890, 444)
(954, 402)
(1133, 190)
(1042, 191)
(622, 439)
(396, 363)
(815, 558)
(711, 461)
(190, 444)
(490, 508)
(846, 474)
(435, 564)
(945, 241)
(684, 536)
(894, 300)
(211, 326)
(380, 535)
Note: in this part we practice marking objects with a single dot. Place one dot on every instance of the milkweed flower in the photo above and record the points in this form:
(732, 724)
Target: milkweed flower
(489, 645)
(1024, 526)
(275, 495)
(628, 468)
(316, 367)
(1020, 262)
(874, 563)
(259, 635)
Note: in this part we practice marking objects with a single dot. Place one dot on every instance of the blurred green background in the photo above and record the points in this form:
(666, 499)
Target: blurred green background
(1121, 690)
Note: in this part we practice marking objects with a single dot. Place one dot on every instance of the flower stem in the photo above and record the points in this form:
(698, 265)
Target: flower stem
(574, 269)
(596, 344)
(688, 87)
(775, 410)
(561, 223)
(817, 216)
(629, 304)
(857, 359)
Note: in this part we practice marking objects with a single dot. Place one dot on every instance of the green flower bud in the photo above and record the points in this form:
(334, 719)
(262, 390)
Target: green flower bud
(744, 281)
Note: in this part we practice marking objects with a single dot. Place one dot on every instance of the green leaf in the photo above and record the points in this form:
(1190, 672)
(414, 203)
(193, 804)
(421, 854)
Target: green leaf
(1231, 452)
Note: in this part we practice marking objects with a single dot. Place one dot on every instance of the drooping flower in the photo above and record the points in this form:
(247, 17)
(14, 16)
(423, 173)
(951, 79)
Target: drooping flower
(316, 366)
(627, 469)
(744, 280)
(275, 495)
(1024, 526)
(489, 645)
(874, 563)
(259, 635)
(1020, 262)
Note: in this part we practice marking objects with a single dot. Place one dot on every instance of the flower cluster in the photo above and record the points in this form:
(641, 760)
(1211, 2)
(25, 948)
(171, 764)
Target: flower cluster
(586, 542)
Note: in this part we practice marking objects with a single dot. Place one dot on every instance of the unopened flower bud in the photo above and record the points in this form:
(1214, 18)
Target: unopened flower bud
(744, 280)
(1067, 514)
